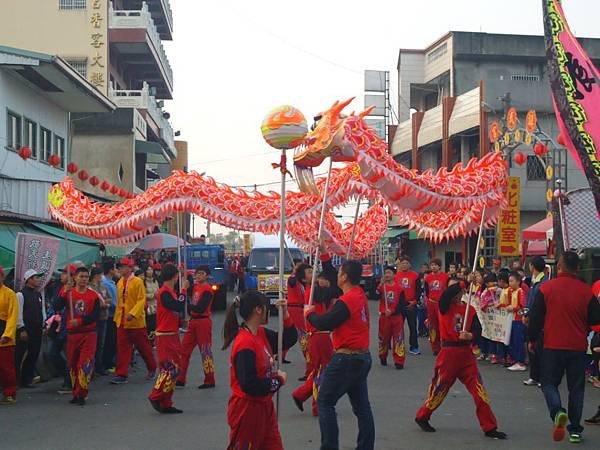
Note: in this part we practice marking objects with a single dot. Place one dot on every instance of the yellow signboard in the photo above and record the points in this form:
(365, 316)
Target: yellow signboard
(509, 225)
(270, 282)
(246, 244)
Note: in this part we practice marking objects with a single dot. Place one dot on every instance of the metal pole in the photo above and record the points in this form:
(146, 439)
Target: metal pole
(282, 246)
(353, 229)
(321, 221)
(479, 236)
(185, 267)
(178, 253)
(68, 273)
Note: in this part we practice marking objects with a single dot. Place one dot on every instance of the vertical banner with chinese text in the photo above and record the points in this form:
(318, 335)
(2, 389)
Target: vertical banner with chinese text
(509, 225)
(35, 252)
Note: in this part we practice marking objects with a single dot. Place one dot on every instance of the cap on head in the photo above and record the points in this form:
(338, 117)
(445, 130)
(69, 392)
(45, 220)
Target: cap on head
(70, 269)
(127, 262)
(31, 273)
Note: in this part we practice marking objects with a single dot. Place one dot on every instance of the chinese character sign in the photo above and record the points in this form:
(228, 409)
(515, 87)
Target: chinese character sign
(98, 56)
(496, 324)
(509, 224)
(35, 252)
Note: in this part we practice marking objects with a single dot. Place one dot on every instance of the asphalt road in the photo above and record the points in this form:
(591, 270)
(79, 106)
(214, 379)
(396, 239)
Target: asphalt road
(120, 417)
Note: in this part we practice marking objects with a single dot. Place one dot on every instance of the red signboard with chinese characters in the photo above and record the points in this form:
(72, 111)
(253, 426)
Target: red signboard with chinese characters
(35, 252)
(509, 225)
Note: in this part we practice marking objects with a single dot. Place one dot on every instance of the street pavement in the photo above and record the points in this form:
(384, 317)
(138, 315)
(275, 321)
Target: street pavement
(120, 417)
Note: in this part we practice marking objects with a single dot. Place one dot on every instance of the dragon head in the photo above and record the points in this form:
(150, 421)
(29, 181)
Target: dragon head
(56, 196)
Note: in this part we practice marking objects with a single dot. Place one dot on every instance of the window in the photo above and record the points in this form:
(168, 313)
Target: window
(535, 169)
(59, 149)
(14, 131)
(45, 144)
(72, 4)
(79, 64)
(525, 78)
(437, 53)
(30, 137)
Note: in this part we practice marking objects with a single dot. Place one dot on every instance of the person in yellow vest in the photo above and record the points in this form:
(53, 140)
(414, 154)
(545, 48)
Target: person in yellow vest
(9, 310)
(130, 319)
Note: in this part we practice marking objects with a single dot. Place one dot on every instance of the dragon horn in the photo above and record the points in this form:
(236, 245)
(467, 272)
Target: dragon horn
(366, 112)
(337, 108)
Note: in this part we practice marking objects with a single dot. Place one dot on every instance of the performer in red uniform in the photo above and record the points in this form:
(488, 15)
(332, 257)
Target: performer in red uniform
(391, 319)
(319, 347)
(349, 367)
(437, 282)
(456, 360)
(408, 280)
(199, 332)
(295, 295)
(82, 312)
(254, 378)
(168, 346)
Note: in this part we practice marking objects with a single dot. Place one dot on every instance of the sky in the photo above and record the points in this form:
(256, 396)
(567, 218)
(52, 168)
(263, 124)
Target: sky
(234, 60)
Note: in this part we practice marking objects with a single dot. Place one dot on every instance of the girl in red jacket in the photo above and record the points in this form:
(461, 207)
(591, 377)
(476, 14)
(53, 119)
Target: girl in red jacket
(254, 376)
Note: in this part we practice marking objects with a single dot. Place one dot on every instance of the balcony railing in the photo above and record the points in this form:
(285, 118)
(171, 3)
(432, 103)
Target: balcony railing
(141, 99)
(119, 19)
(168, 13)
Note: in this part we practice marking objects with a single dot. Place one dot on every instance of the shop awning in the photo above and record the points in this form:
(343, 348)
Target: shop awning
(394, 232)
(538, 231)
(534, 248)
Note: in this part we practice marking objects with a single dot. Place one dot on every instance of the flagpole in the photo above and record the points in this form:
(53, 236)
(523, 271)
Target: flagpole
(319, 234)
(479, 236)
(67, 266)
(282, 247)
(353, 229)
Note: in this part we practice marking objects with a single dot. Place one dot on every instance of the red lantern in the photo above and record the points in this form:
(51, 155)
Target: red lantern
(114, 190)
(540, 149)
(561, 140)
(25, 153)
(54, 160)
(83, 175)
(105, 186)
(94, 181)
(520, 158)
(72, 167)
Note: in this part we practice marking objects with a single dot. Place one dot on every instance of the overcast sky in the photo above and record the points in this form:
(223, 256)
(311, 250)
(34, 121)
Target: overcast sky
(234, 60)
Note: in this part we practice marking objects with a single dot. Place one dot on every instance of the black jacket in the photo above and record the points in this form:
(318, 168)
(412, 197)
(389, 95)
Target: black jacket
(32, 308)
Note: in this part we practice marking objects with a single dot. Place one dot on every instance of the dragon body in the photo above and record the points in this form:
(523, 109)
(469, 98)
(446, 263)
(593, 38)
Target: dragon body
(439, 206)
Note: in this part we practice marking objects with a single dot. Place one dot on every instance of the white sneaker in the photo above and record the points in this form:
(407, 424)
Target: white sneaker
(517, 367)
(530, 382)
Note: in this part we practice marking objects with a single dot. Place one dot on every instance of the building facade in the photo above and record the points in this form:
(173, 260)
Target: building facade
(38, 95)
(450, 93)
(117, 46)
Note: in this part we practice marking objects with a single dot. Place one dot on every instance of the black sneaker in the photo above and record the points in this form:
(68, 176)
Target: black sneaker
(594, 420)
(171, 410)
(424, 424)
(179, 384)
(206, 386)
(304, 378)
(73, 401)
(156, 405)
(81, 401)
(399, 366)
(383, 361)
(495, 434)
(298, 404)
(285, 361)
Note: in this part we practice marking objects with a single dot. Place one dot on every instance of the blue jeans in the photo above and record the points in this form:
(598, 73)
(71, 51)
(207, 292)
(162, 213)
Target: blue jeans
(101, 337)
(555, 363)
(346, 374)
(421, 317)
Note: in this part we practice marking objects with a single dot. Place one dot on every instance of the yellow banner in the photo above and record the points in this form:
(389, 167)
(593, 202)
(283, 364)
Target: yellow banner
(246, 244)
(509, 225)
(270, 282)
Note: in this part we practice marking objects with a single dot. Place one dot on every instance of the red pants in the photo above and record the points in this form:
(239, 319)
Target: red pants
(391, 331)
(199, 333)
(81, 354)
(253, 425)
(453, 363)
(127, 339)
(168, 349)
(434, 325)
(8, 374)
(320, 351)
